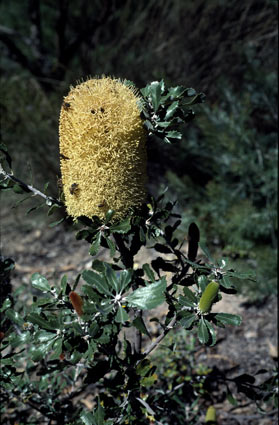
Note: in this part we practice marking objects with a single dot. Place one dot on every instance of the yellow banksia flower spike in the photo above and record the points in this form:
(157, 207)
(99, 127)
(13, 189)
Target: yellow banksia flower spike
(102, 149)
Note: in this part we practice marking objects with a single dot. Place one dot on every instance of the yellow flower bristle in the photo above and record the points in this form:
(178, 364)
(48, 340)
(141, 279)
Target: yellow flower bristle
(102, 149)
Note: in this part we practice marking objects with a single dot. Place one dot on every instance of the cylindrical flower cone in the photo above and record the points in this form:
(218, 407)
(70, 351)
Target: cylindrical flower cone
(102, 149)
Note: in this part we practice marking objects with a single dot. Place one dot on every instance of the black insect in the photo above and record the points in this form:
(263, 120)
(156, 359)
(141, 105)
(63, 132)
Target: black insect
(66, 105)
(102, 204)
(73, 188)
(63, 156)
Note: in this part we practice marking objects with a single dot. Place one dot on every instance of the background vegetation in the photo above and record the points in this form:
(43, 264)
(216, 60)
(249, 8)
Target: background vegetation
(224, 171)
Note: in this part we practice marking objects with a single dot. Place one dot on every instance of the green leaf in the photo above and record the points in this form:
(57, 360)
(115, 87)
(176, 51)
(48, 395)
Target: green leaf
(6, 304)
(155, 92)
(171, 110)
(43, 336)
(57, 347)
(112, 278)
(204, 248)
(177, 91)
(228, 319)
(189, 294)
(121, 315)
(174, 135)
(40, 282)
(140, 325)
(99, 414)
(148, 297)
(185, 301)
(109, 215)
(231, 399)
(187, 321)
(111, 246)
(122, 227)
(55, 223)
(95, 245)
(202, 282)
(14, 316)
(38, 353)
(98, 265)
(203, 334)
(87, 418)
(36, 319)
(225, 282)
(191, 92)
(125, 277)
(143, 368)
(149, 272)
(211, 331)
(97, 281)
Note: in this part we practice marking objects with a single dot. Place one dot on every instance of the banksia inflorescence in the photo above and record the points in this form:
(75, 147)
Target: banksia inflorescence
(77, 302)
(208, 297)
(102, 149)
(210, 416)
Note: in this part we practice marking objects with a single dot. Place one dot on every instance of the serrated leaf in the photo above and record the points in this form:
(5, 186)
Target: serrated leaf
(202, 282)
(140, 325)
(121, 315)
(211, 331)
(148, 297)
(111, 246)
(174, 135)
(99, 414)
(177, 91)
(229, 319)
(95, 244)
(203, 333)
(155, 93)
(40, 282)
(189, 294)
(122, 227)
(97, 281)
(14, 316)
(57, 347)
(55, 223)
(125, 277)
(225, 282)
(149, 273)
(6, 304)
(87, 418)
(185, 301)
(171, 110)
(36, 319)
(112, 278)
(188, 320)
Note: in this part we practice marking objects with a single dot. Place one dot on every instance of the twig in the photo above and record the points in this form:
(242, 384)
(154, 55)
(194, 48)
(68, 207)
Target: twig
(49, 200)
(160, 337)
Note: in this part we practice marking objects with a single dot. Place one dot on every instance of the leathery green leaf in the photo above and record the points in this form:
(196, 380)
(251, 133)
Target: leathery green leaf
(149, 296)
(40, 282)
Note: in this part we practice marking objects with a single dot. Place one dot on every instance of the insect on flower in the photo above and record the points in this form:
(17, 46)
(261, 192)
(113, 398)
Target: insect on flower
(73, 188)
(66, 105)
(63, 156)
(102, 204)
